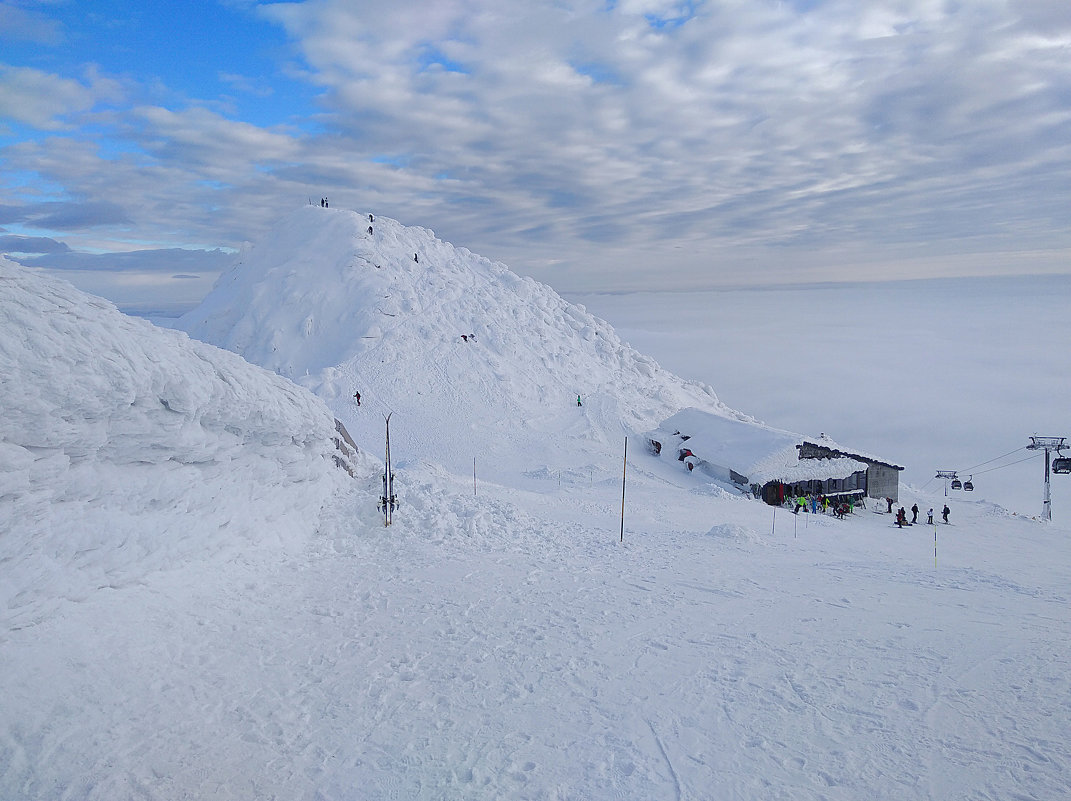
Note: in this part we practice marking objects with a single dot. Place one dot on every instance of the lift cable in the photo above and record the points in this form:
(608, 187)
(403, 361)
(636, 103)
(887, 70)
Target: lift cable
(995, 458)
(1001, 467)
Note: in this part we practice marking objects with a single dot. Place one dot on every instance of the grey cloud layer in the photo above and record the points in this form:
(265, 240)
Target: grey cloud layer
(595, 135)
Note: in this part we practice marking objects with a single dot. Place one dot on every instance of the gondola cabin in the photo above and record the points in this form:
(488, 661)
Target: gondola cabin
(957, 484)
(1061, 464)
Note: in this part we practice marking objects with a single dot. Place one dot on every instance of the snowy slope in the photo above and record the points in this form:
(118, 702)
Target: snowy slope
(203, 607)
(341, 310)
(127, 448)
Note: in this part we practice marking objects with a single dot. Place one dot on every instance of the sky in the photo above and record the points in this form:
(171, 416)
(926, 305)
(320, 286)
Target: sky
(595, 145)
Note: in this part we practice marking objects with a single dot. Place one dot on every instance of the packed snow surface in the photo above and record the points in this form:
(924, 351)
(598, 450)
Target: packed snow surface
(205, 606)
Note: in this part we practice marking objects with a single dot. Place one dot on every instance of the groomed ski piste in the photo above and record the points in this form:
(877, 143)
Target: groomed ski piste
(197, 602)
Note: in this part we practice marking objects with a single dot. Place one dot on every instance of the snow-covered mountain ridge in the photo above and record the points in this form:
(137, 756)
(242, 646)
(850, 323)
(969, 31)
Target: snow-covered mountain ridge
(471, 358)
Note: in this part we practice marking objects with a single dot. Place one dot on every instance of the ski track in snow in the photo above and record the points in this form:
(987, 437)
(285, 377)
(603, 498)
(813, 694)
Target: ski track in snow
(214, 611)
(497, 655)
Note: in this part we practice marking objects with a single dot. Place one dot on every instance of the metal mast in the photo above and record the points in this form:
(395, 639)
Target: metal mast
(946, 475)
(1047, 444)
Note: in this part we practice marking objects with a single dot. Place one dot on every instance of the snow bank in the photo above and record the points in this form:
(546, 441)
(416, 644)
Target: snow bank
(126, 448)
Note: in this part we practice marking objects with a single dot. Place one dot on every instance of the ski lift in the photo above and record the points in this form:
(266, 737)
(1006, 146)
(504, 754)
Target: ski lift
(1061, 464)
(968, 485)
(957, 484)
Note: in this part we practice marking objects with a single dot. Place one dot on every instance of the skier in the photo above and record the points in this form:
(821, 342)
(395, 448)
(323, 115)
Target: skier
(889, 501)
(914, 513)
(578, 403)
(901, 517)
(929, 517)
(357, 397)
(945, 512)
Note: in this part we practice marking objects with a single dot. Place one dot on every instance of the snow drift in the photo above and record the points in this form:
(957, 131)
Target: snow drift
(128, 448)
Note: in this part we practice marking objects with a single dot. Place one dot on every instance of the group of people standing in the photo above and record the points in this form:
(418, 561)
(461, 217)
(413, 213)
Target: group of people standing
(824, 504)
(901, 514)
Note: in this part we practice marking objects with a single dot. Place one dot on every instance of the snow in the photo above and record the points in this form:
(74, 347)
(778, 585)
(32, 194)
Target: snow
(107, 418)
(391, 328)
(197, 603)
(757, 452)
(936, 374)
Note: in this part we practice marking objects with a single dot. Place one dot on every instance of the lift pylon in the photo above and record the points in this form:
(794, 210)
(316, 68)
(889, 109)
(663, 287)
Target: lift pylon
(1047, 444)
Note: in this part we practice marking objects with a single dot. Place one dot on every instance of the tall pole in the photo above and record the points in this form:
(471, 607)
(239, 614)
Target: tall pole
(1047, 444)
(624, 466)
(1046, 503)
(388, 480)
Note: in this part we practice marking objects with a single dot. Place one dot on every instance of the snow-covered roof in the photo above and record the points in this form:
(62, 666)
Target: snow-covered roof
(759, 452)
(824, 441)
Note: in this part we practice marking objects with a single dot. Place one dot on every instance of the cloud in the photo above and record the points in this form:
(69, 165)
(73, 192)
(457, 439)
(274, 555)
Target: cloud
(65, 216)
(46, 101)
(29, 25)
(31, 244)
(247, 85)
(595, 135)
(164, 261)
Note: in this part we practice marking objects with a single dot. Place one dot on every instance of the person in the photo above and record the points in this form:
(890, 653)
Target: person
(357, 397)
(578, 403)
(945, 512)
(901, 517)
(799, 503)
(371, 218)
(889, 501)
(321, 203)
(914, 513)
(416, 258)
(370, 230)
(929, 517)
